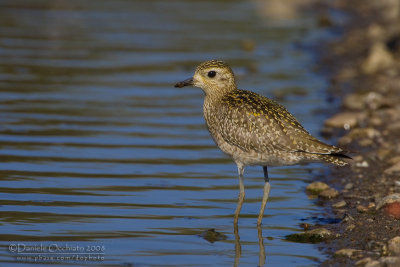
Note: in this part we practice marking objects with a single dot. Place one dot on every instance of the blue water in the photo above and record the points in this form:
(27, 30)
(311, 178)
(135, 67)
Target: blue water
(97, 148)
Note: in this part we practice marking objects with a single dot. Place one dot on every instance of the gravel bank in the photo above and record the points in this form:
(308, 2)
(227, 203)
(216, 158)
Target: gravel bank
(365, 63)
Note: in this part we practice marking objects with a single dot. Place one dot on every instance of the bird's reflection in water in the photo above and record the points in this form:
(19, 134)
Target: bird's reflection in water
(238, 247)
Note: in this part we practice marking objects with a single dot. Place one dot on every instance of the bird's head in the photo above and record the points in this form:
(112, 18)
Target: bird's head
(214, 77)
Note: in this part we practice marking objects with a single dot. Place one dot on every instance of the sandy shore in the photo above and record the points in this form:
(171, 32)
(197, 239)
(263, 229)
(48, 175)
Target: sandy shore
(365, 199)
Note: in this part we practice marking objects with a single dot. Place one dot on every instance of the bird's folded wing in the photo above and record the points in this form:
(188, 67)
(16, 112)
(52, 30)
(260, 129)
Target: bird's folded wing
(255, 123)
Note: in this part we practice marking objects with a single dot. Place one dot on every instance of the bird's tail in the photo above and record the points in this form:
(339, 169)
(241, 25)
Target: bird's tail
(335, 158)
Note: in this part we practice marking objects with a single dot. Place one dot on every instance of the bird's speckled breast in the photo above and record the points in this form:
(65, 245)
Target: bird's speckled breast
(239, 155)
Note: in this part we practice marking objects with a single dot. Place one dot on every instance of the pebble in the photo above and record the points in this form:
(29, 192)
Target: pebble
(340, 204)
(349, 186)
(345, 120)
(393, 169)
(354, 101)
(363, 164)
(393, 198)
(372, 100)
(379, 58)
(329, 193)
(391, 205)
(361, 209)
(347, 252)
(317, 187)
(347, 218)
(394, 246)
(350, 227)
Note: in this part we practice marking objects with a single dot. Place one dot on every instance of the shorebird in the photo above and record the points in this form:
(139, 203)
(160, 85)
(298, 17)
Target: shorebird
(253, 129)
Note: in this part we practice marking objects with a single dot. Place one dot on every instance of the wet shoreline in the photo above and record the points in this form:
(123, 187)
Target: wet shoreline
(364, 63)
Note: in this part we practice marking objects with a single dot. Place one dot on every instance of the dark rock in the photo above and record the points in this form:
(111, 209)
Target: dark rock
(313, 236)
(211, 235)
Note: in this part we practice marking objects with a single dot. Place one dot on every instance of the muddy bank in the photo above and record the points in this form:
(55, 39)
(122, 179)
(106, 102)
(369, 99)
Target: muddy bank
(365, 63)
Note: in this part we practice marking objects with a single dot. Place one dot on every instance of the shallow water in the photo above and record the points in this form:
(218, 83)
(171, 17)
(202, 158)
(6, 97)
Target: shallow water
(98, 148)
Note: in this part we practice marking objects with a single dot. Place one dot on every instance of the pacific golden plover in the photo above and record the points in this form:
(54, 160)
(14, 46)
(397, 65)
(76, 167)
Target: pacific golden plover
(253, 129)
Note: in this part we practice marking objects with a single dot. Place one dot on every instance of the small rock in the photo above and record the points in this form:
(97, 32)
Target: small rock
(394, 246)
(391, 205)
(371, 205)
(376, 121)
(354, 101)
(393, 209)
(329, 193)
(365, 142)
(347, 218)
(350, 227)
(374, 100)
(347, 252)
(345, 120)
(317, 187)
(393, 169)
(379, 58)
(363, 164)
(361, 209)
(388, 200)
(339, 204)
(313, 236)
(349, 186)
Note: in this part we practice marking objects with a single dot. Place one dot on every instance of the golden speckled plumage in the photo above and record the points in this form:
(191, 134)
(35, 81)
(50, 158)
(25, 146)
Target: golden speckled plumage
(253, 129)
(258, 127)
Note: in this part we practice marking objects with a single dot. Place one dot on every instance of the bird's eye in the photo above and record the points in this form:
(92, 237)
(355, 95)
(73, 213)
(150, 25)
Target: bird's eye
(211, 74)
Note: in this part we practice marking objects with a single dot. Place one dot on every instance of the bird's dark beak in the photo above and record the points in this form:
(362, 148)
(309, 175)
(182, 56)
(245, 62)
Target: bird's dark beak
(184, 83)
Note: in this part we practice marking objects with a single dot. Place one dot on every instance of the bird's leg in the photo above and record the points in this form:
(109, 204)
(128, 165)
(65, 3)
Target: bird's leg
(238, 247)
(241, 193)
(267, 188)
(261, 254)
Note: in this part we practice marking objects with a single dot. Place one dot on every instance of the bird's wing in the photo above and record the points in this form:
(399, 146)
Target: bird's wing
(256, 123)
